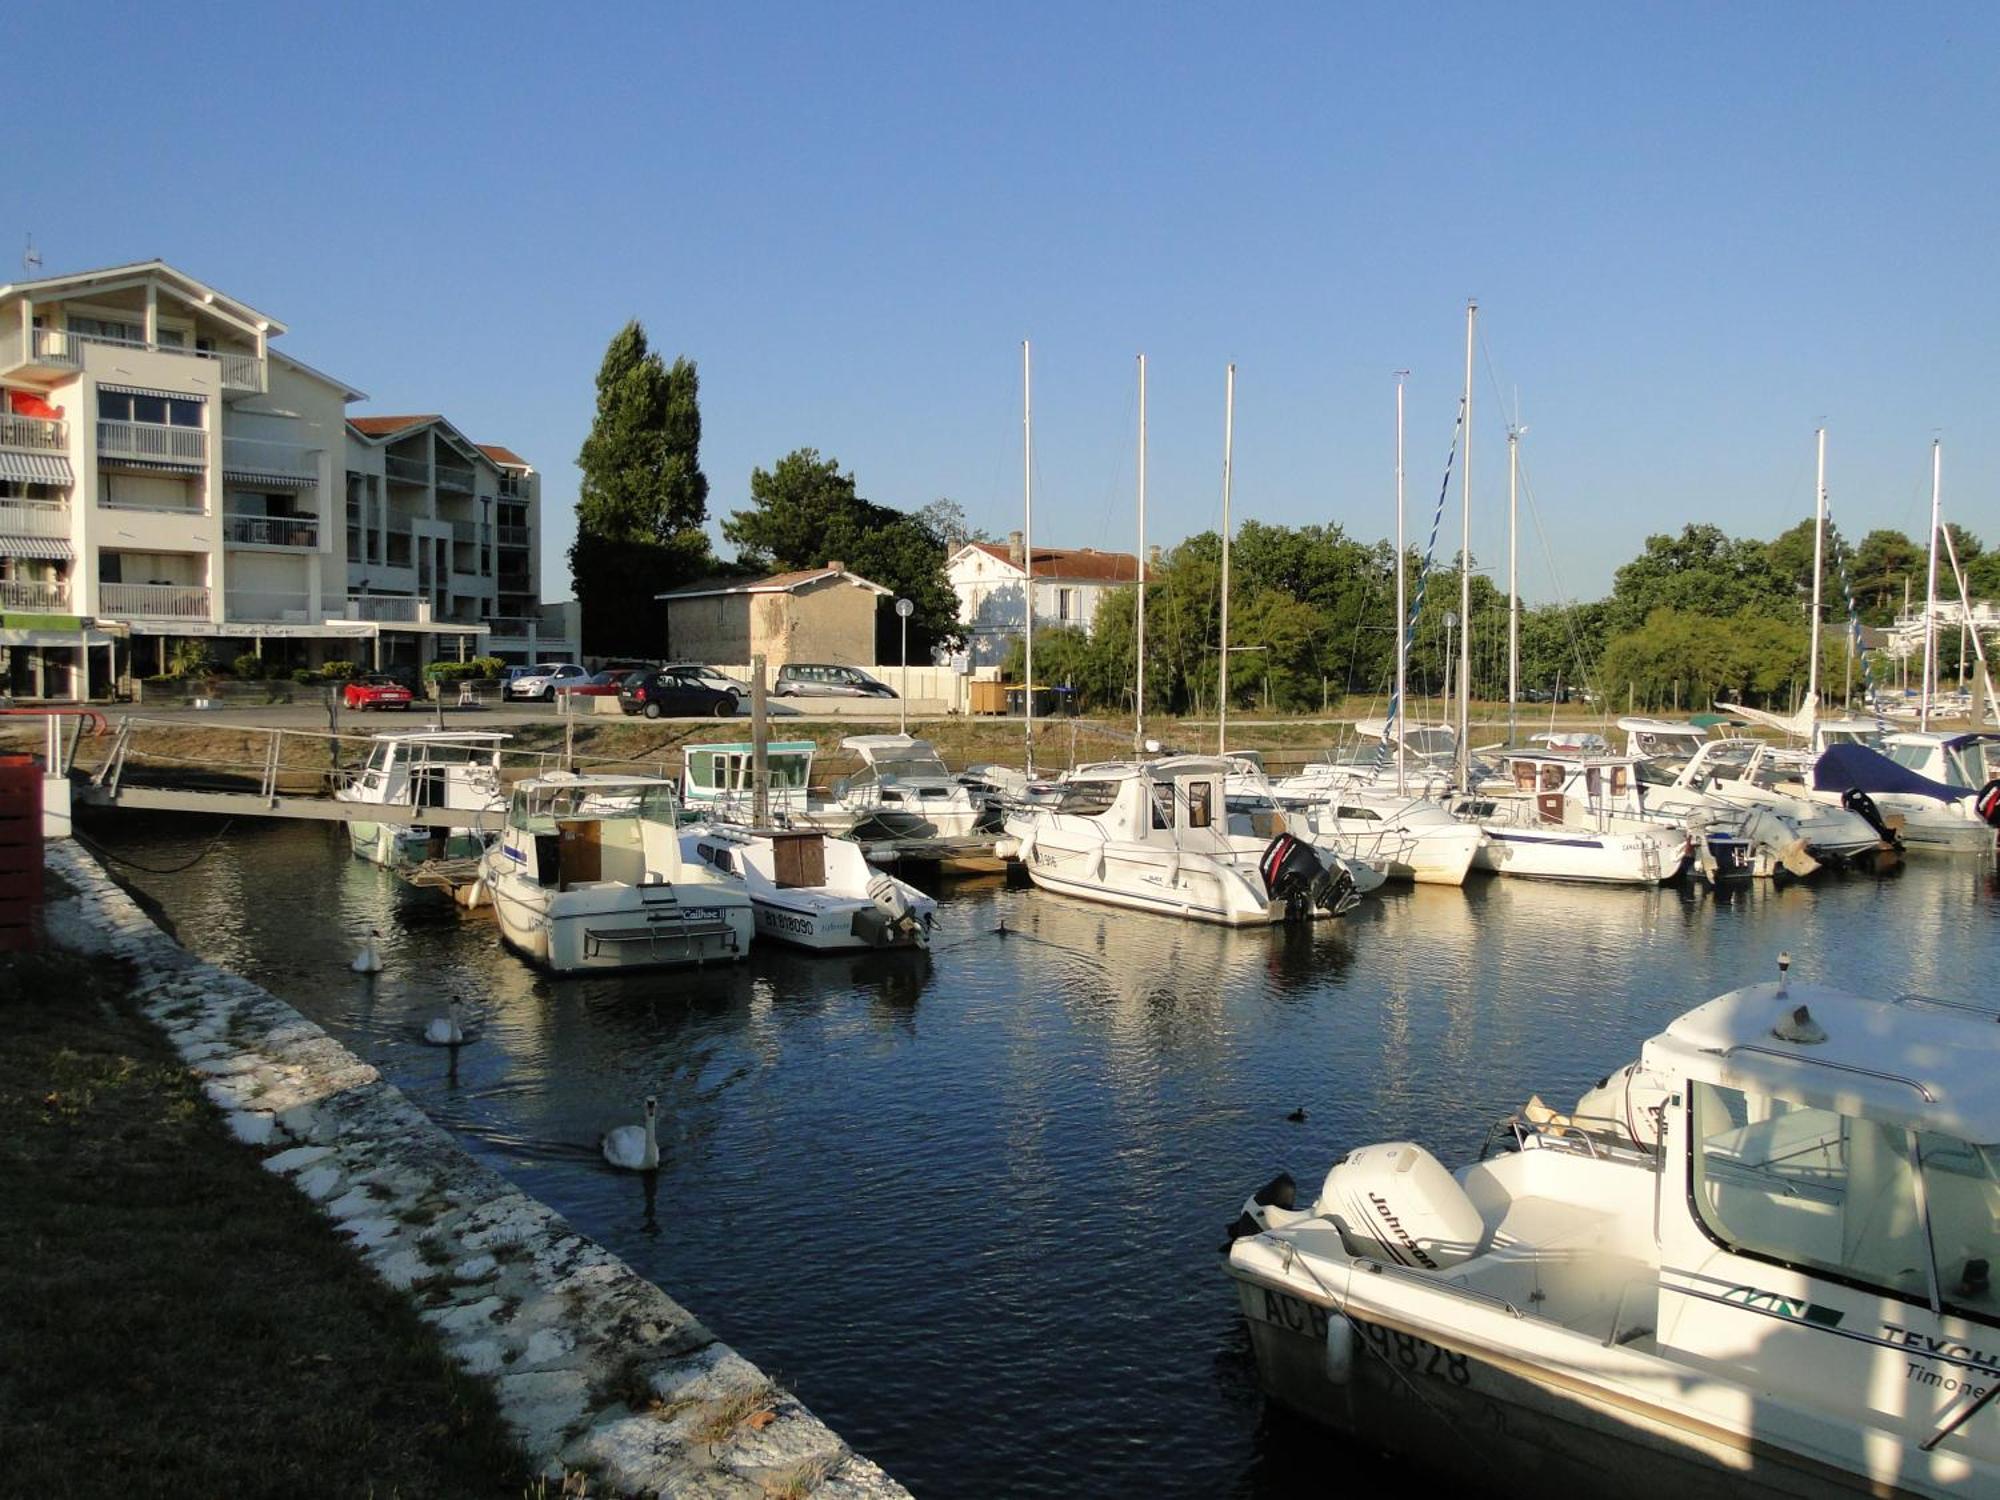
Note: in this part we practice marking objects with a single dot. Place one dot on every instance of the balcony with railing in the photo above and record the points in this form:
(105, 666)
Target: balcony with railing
(152, 443)
(272, 531)
(406, 470)
(514, 487)
(465, 531)
(268, 605)
(161, 601)
(513, 536)
(284, 465)
(60, 350)
(389, 609)
(37, 433)
(33, 518)
(41, 596)
(455, 477)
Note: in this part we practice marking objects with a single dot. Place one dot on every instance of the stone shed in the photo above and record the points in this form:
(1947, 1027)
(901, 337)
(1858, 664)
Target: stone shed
(816, 614)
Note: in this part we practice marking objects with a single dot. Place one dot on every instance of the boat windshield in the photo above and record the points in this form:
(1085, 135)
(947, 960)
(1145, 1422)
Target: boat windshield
(1847, 737)
(1663, 745)
(1974, 763)
(539, 809)
(724, 771)
(1431, 743)
(1850, 1196)
(1087, 799)
(1915, 757)
(909, 766)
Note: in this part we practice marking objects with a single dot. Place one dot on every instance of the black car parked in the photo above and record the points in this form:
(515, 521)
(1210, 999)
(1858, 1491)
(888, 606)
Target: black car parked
(668, 693)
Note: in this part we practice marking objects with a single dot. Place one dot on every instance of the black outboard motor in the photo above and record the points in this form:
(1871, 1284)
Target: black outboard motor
(1293, 874)
(1863, 807)
(1279, 1192)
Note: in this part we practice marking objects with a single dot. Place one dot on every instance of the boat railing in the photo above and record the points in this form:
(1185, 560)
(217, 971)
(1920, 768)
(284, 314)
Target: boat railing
(1599, 1137)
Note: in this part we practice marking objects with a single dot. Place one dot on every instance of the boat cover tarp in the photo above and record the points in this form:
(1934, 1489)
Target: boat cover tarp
(1845, 766)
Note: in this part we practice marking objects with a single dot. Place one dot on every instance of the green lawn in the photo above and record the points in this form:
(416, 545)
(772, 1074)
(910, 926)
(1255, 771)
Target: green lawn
(174, 1320)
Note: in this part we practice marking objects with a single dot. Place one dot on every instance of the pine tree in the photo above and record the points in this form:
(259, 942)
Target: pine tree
(643, 498)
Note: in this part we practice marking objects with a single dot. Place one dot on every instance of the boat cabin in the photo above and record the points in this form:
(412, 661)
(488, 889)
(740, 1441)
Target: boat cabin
(1958, 760)
(1179, 800)
(569, 832)
(1569, 790)
(431, 768)
(1672, 741)
(723, 777)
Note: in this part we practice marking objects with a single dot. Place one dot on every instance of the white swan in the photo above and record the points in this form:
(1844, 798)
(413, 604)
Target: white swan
(447, 1030)
(369, 959)
(635, 1148)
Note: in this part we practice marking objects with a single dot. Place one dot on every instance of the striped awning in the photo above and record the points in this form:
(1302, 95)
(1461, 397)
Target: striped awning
(265, 479)
(46, 548)
(35, 468)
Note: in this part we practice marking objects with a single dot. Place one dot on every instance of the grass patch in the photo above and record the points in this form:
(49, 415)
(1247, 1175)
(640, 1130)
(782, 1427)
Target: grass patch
(179, 1321)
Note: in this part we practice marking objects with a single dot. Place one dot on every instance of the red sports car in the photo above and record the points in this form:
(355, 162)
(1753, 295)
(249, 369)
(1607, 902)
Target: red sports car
(598, 685)
(375, 692)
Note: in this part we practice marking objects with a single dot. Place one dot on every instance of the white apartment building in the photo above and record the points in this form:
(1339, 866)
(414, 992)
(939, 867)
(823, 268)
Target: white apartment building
(991, 581)
(167, 475)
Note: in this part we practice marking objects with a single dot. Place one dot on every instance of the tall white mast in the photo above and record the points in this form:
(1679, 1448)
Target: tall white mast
(1028, 539)
(1930, 592)
(1139, 692)
(1819, 546)
(1465, 570)
(1402, 600)
(1228, 461)
(1513, 574)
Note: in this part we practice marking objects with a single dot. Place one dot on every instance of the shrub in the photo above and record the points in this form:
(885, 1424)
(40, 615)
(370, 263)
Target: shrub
(190, 658)
(340, 671)
(250, 667)
(305, 674)
(479, 669)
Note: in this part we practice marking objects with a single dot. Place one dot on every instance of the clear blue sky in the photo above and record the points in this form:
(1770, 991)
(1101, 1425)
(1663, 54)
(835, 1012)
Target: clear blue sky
(1694, 232)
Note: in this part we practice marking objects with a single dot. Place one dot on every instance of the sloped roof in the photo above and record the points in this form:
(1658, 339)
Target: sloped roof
(777, 583)
(1077, 564)
(505, 457)
(383, 426)
(82, 281)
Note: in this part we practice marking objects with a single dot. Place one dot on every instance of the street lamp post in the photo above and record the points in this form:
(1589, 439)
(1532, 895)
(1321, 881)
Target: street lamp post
(904, 609)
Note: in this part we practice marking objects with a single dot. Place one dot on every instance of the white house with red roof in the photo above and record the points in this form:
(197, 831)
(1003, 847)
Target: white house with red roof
(992, 581)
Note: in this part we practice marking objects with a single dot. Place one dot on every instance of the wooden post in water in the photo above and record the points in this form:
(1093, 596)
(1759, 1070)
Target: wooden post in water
(760, 744)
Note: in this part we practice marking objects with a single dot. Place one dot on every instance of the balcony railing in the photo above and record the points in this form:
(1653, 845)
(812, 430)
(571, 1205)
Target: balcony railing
(171, 601)
(270, 604)
(152, 442)
(513, 487)
(454, 477)
(255, 458)
(32, 518)
(274, 531)
(34, 594)
(513, 536)
(32, 432)
(389, 608)
(465, 531)
(409, 470)
(234, 369)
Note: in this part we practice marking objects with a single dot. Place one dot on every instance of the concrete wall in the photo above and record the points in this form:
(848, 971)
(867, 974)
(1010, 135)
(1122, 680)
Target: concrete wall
(711, 629)
(830, 621)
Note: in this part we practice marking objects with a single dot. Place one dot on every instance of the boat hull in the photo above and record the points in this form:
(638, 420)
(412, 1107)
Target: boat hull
(1496, 1423)
(396, 846)
(650, 930)
(834, 927)
(1614, 859)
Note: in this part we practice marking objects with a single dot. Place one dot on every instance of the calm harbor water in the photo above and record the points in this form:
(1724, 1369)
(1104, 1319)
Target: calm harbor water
(968, 1204)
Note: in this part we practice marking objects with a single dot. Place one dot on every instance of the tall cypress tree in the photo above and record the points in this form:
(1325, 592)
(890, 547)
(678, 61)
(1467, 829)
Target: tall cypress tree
(643, 498)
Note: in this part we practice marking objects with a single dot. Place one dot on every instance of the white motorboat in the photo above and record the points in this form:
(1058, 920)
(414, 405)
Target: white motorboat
(1575, 817)
(718, 782)
(588, 875)
(1757, 1262)
(904, 789)
(1155, 836)
(1944, 788)
(425, 768)
(1256, 817)
(813, 891)
(1407, 838)
(1429, 764)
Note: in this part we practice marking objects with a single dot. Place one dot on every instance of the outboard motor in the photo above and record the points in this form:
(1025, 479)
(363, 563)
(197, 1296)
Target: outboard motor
(1863, 807)
(1279, 1192)
(1397, 1203)
(1988, 803)
(887, 894)
(1294, 875)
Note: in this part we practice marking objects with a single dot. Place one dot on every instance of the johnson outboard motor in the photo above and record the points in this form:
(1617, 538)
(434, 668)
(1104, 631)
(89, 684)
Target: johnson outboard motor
(1279, 1192)
(1294, 875)
(1863, 807)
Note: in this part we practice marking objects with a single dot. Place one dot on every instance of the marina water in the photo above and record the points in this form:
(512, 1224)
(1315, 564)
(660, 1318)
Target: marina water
(968, 1203)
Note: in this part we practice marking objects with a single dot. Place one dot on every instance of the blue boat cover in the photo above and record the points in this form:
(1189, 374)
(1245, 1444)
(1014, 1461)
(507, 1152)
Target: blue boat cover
(1844, 766)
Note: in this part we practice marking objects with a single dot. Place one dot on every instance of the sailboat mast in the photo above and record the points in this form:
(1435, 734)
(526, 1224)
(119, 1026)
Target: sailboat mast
(1819, 547)
(1228, 464)
(1139, 691)
(1402, 600)
(1465, 570)
(1513, 575)
(1930, 591)
(1028, 542)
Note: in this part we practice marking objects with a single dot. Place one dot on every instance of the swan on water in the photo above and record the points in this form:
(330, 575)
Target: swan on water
(449, 1029)
(635, 1148)
(369, 959)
